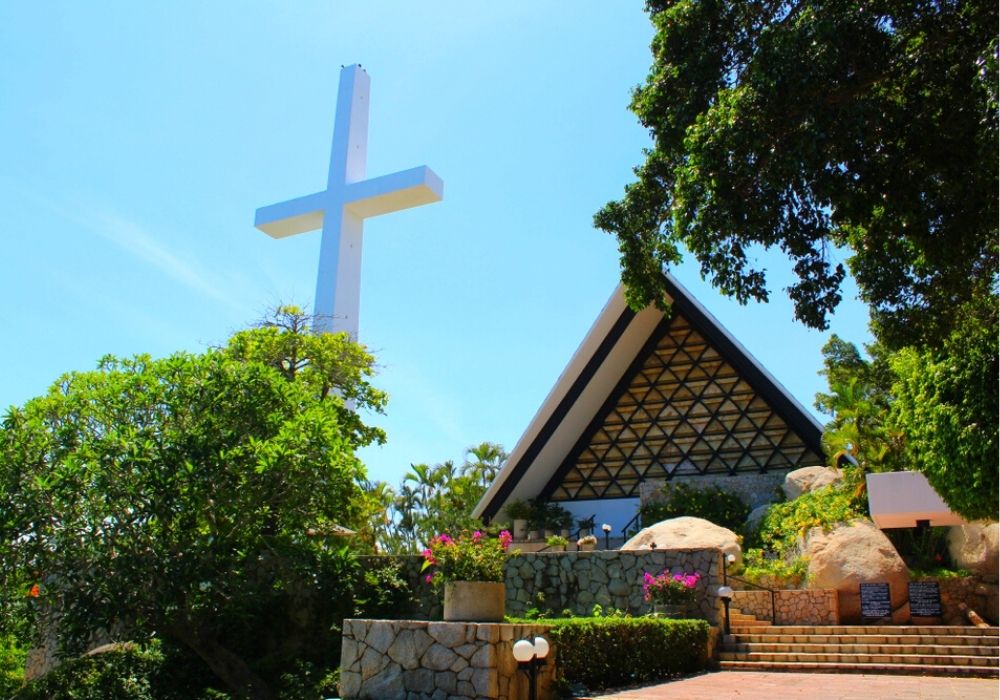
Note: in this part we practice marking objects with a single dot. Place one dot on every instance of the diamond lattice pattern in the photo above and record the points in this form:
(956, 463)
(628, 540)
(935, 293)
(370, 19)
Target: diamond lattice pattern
(686, 411)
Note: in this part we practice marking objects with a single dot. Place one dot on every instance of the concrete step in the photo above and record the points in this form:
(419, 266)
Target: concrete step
(772, 636)
(917, 630)
(862, 658)
(854, 648)
(821, 667)
(863, 649)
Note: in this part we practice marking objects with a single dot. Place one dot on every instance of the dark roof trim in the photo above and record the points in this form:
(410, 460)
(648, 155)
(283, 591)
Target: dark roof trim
(579, 384)
(766, 385)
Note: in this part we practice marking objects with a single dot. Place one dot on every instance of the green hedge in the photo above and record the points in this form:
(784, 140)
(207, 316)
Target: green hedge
(611, 652)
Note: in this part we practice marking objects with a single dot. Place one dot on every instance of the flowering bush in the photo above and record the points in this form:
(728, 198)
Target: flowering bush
(669, 589)
(474, 557)
(586, 539)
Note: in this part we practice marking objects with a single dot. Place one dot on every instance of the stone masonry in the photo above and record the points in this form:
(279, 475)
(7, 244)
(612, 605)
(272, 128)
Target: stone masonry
(551, 582)
(792, 607)
(419, 660)
(576, 581)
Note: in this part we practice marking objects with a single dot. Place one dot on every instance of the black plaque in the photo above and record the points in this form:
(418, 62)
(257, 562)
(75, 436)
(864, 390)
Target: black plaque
(875, 601)
(925, 599)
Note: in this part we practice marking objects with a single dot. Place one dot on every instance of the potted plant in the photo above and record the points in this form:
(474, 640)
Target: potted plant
(519, 513)
(669, 593)
(471, 569)
(556, 519)
(557, 543)
(586, 543)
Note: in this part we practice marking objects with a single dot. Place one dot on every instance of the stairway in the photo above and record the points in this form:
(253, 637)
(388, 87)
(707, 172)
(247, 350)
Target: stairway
(756, 645)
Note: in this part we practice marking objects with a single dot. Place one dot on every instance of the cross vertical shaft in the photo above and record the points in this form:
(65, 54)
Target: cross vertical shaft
(341, 209)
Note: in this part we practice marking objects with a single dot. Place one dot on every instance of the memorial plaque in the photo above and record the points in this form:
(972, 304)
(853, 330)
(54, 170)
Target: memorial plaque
(925, 599)
(875, 601)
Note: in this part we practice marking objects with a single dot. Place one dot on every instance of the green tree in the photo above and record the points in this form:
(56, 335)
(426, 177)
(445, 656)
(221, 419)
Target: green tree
(811, 126)
(946, 403)
(185, 497)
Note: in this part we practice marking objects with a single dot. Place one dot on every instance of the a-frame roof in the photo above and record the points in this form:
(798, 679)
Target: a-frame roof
(647, 395)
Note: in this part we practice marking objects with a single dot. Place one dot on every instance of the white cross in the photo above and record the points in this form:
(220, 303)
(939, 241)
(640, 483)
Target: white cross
(341, 209)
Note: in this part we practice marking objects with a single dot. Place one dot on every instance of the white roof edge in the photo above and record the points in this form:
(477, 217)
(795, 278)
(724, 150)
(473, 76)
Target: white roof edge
(598, 331)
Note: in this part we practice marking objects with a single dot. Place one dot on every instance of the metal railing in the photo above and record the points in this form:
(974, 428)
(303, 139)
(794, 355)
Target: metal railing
(726, 576)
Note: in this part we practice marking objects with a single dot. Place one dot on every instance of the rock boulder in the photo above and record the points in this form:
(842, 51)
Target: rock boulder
(686, 533)
(852, 554)
(808, 479)
(975, 547)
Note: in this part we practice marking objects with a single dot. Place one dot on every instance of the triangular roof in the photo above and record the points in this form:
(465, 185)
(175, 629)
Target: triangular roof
(648, 395)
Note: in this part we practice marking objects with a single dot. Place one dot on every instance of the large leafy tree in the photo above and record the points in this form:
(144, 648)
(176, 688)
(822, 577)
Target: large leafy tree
(184, 496)
(811, 126)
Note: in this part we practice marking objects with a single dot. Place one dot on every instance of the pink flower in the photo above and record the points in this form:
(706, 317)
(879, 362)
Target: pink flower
(505, 539)
(477, 536)
(428, 578)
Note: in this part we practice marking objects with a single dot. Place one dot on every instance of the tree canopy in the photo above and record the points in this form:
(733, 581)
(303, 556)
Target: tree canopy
(181, 496)
(813, 127)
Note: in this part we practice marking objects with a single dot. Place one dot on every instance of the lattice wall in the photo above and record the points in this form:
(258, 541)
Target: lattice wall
(685, 410)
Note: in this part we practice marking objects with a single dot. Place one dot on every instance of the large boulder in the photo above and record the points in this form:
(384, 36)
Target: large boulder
(756, 517)
(809, 479)
(851, 554)
(686, 533)
(975, 547)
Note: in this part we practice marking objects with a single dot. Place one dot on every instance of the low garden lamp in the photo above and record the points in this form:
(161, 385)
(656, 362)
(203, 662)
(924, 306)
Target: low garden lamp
(530, 656)
(728, 560)
(726, 593)
(607, 535)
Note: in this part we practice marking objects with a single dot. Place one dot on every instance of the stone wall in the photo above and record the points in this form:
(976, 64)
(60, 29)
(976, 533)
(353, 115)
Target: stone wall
(551, 582)
(754, 489)
(576, 581)
(791, 607)
(979, 595)
(420, 660)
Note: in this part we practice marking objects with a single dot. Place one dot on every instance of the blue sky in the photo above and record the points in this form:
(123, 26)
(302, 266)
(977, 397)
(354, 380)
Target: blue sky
(137, 140)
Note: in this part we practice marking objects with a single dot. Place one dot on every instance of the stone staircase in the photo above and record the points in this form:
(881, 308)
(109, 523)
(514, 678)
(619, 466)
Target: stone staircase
(756, 645)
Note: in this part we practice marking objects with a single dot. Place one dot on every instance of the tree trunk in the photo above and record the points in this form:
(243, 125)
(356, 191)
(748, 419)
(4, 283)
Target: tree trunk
(230, 668)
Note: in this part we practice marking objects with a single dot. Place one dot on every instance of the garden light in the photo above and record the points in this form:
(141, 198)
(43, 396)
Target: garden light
(530, 656)
(607, 535)
(726, 593)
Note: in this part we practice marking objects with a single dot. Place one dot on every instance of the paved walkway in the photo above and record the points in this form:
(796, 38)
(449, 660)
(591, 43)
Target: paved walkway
(746, 685)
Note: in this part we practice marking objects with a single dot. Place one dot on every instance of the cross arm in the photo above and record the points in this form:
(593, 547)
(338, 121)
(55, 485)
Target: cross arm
(294, 216)
(389, 193)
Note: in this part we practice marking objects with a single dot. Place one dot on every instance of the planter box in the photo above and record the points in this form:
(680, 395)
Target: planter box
(474, 601)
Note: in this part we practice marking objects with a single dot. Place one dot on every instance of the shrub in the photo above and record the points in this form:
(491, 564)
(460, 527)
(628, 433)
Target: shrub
(129, 672)
(785, 525)
(474, 557)
(382, 592)
(12, 658)
(607, 652)
(713, 504)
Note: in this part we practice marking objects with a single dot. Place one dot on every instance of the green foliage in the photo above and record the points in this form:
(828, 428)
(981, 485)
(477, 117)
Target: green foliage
(518, 510)
(431, 500)
(606, 652)
(467, 557)
(772, 550)
(809, 126)
(712, 504)
(384, 593)
(189, 497)
(859, 402)
(129, 672)
(12, 658)
(946, 402)
(556, 541)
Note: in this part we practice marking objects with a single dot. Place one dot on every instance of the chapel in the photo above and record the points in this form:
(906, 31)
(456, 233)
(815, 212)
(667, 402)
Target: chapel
(651, 398)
